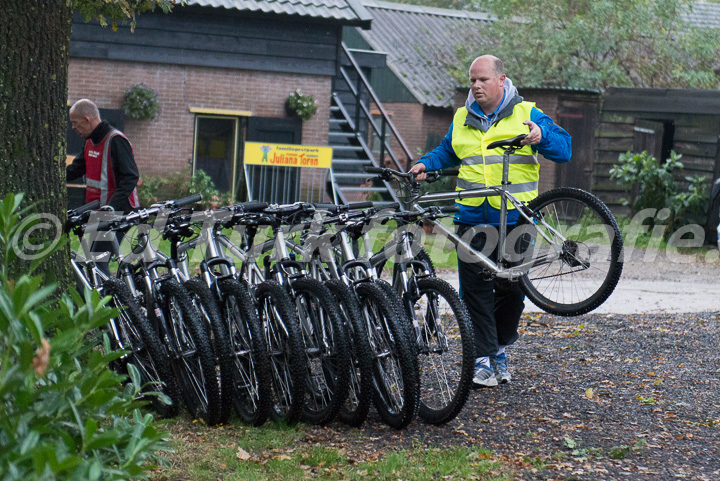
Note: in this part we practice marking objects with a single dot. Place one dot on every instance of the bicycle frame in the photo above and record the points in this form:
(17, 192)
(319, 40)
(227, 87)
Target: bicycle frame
(474, 256)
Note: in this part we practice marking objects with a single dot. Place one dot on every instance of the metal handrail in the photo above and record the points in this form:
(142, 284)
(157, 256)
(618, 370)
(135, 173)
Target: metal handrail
(360, 107)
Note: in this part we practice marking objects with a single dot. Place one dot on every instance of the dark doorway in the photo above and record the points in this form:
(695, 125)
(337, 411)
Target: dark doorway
(215, 147)
(654, 136)
(273, 184)
(580, 121)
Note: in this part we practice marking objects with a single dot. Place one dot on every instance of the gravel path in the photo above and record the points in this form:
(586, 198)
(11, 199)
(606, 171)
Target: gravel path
(596, 397)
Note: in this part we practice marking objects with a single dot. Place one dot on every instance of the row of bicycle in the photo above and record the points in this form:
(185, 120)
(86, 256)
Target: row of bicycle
(286, 315)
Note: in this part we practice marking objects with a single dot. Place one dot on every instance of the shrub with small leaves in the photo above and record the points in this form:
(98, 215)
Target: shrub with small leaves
(651, 184)
(64, 415)
(141, 102)
(304, 106)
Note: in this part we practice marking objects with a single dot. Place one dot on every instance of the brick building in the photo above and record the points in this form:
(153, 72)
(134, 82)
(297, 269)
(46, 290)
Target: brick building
(222, 71)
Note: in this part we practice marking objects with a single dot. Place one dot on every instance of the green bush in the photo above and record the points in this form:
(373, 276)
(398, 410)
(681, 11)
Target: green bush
(181, 184)
(653, 185)
(64, 415)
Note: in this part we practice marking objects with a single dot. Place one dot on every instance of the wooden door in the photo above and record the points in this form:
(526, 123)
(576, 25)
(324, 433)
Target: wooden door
(649, 135)
(580, 121)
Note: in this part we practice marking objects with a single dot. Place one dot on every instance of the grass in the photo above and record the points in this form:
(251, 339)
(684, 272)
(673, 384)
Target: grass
(274, 452)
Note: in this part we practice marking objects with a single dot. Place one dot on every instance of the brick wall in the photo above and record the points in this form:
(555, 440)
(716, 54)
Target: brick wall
(436, 121)
(407, 118)
(414, 122)
(165, 144)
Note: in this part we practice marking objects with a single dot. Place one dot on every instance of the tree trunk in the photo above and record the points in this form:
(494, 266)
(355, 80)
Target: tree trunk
(34, 56)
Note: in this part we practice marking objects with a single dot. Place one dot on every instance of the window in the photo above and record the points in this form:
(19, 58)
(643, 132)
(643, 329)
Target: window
(218, 148)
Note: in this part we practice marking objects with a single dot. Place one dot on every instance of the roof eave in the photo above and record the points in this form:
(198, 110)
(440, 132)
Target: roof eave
(364, 18)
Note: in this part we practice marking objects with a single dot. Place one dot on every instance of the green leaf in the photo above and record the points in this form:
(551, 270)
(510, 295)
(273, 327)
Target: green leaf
(91, 427)
(29, 442)
(134, 376)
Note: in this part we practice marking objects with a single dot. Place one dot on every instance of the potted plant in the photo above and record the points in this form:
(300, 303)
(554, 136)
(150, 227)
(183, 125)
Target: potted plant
(141, 102)
(301, 105)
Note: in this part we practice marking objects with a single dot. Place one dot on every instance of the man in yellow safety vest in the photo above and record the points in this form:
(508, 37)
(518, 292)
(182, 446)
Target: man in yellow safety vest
(493, 111)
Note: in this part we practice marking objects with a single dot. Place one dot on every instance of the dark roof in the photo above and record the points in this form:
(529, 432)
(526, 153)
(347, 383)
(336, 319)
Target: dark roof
(420, 43)
(351, 12)
(704, 15)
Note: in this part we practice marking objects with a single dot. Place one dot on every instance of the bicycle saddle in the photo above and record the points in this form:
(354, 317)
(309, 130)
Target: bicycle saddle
(514, 142)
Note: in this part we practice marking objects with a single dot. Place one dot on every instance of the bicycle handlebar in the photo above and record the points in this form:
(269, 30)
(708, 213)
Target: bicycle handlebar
(191, 199)
(84, 208)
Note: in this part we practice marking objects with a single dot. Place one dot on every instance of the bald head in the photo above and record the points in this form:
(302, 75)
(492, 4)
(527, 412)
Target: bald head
(86, 108)
(492, 61)
(84, 117)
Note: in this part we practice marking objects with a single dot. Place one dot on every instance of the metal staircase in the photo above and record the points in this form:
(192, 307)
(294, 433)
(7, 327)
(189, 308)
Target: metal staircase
(352, 127)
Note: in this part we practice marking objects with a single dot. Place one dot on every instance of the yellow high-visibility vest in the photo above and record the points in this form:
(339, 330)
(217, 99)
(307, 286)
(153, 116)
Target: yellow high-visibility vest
(483, 168)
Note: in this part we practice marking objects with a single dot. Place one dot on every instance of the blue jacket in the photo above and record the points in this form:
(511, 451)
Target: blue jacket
(555, 145)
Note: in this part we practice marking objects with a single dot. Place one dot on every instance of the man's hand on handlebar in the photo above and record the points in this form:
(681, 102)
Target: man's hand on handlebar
(419, 171)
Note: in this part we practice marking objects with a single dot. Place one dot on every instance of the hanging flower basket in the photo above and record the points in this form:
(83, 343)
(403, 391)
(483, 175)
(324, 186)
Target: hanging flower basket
(141, 102)
(304, 106)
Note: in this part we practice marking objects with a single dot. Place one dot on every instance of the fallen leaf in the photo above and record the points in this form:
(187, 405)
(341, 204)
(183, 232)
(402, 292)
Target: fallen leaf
(243, 455)
(589, 393)
(42, 358)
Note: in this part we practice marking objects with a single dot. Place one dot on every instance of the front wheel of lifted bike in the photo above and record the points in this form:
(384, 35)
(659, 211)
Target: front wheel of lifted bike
(580, 234)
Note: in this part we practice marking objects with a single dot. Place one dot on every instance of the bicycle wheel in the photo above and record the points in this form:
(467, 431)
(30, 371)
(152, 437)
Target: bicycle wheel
(327, 350)
(251, 375)
(403, 315)
(395, 371)
(202, 298)
(191, 353)
(285, 348)
(584, 231)
(146, 352)
(357, 405)
(446, 350)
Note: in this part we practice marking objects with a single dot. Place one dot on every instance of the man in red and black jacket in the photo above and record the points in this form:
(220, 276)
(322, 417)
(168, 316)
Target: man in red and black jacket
(107, 162)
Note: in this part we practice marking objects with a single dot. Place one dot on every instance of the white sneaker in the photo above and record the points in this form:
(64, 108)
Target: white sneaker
(500, 364)
(484, 377)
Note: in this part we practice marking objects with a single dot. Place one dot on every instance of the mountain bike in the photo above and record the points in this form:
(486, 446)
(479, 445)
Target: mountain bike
(385, 368)
(324, 335)
(153, 281)
(130, 331)
(573, 261)
(251, 363)
(438, 323)
(275, 310)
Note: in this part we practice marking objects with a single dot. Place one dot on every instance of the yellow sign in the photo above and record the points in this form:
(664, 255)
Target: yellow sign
(286, 155)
